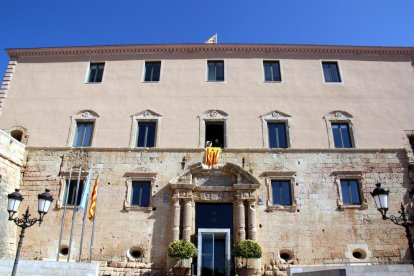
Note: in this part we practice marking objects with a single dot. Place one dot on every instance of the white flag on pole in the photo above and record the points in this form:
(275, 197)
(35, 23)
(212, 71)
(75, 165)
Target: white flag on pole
(85, 192)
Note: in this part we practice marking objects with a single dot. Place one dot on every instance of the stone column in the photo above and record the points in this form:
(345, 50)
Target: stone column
(176, 212)
(252, 220)
(240, 220)
(187, 219)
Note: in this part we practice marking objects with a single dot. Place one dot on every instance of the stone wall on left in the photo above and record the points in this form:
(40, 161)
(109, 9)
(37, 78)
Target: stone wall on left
(12, 158)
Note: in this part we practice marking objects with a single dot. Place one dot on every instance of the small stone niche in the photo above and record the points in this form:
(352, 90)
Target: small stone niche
(135, 253)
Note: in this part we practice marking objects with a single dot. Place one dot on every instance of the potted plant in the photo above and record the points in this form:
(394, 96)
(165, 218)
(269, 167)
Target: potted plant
(247, 249)
(182, 250)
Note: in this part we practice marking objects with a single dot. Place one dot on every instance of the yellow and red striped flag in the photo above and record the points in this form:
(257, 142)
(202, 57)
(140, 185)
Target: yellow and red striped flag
(93, 201)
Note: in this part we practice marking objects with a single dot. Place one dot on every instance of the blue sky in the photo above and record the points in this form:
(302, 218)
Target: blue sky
(47, 23)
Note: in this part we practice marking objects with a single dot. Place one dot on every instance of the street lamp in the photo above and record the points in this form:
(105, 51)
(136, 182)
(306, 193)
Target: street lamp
(380, 196)
(14, 200)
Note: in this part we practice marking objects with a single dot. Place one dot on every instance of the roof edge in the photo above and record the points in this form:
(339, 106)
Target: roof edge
(162, 48)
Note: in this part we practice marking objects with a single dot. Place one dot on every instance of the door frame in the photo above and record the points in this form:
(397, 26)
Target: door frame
(226, 232)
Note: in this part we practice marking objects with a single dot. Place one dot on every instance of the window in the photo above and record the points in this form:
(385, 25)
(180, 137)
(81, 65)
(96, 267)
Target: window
(341, 135)
(281, 192)
(215, 70)
(146, 134)
(140, 193)
(277, 135)
(350, 192)
(152, 71)
(83, 135)
(96, 72)
(331, 71)
(215, 133)
(272, 71)
(71, 188)
(411, 140)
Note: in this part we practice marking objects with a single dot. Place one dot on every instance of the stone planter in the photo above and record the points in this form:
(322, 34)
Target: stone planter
(245, 271)
(181, 271)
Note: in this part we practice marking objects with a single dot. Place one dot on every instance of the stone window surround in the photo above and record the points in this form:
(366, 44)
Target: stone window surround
(144, 70)
(352, 175)
(141, 176)
(84, 116)
(286, 175)
(211, 116)
(145, 116)
(335, 117)
(339, 71)
(25, 136)
(64, 177)
(275, 116)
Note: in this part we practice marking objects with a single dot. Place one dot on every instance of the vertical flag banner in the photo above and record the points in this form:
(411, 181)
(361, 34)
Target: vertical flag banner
(82, 205)
(93, 201)
(212, 155)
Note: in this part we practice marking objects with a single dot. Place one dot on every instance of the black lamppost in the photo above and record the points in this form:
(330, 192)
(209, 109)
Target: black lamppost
(380, 196)
(14, 200)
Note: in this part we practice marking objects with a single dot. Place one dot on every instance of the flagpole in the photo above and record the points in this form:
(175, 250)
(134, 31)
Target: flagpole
(74, 212)
(62, 225)
(84, 214)
(216, 38)
(94, 218)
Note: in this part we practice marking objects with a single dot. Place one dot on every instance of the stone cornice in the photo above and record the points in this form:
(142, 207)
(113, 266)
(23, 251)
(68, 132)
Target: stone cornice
(223, 48)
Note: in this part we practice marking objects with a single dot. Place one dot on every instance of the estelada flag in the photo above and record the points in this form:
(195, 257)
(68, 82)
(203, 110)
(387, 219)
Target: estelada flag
(212, 40)
(91, 213)
(212, 155)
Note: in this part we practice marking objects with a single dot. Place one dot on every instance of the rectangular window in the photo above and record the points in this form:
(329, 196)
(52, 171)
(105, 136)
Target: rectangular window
(277, 135)
(152, 71)
(350, 192)
(140, 195)
(215, 70)
(272, 71)
(83, 135)
(281, 192)
(215, 133)
(331, 71)
(146, 134)
(341, 135)
(71, 188)
(96, 72)
(411, 139)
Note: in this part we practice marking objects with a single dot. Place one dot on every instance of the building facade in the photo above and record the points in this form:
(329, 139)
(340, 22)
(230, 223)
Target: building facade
(306, 132)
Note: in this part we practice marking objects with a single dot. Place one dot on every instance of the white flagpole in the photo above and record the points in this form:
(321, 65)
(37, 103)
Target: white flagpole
(94, 218)
(62, 225)
(86, 187)
(216, 38)
(74, 212)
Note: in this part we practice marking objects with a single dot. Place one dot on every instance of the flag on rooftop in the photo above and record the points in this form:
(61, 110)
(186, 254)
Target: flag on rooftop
(212, 40)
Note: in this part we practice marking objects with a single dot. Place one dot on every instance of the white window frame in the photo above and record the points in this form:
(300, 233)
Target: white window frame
(339, 70)
(275, 116)
(224, 71)
(88, 72)
(212, 116)
(145, 116)
(350, 175)
(140, 176)
(288, 175)
(84, 116)
(339, 117)
(280, 69)
(144, 70)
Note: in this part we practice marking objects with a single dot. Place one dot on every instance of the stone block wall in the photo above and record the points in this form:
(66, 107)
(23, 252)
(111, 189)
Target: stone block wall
(318, 230)
(11, 163)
